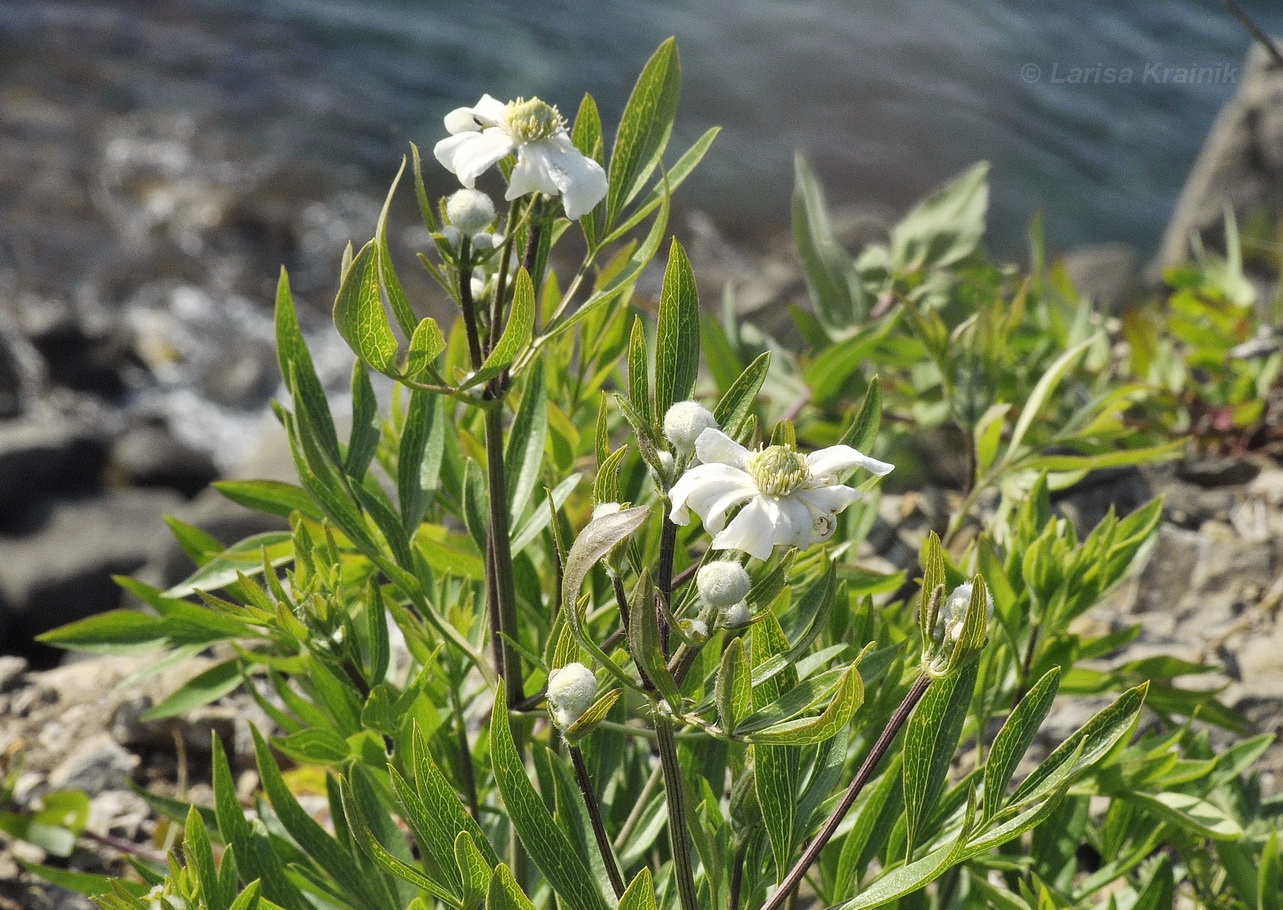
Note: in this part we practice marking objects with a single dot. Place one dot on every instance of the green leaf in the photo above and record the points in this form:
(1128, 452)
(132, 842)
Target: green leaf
(326, 852)
(930, 741)
(1042, 391)
(359, 314)
(1269, 888)
(426, 344)
(677, 335)
(946, 226)
(1013, 740)
(201, 689)
(364, 439)
(242, 558)
(777, 775)
(908, 878)
(640, 894)
(420, 455)
(864, 428)
(638, 371)
(300, 375)
(473, 869)
(200, 546)
(1197, 816)
(523, 456)
(85, 883)
(828, 268)
(549, 847)
(734, 686)
(516, 333)
(505, 893)
(644, 127)
(847, 698)
(734, 408)
(389, 284)
(114, 632)
(596, 540)
(272, 496)
(1087, 745)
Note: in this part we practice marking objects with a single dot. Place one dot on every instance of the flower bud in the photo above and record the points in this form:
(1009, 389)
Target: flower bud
(944, 645)
(722, 584)
(471, 211)
(571, 690)
(605, 508)
(684, 422)
(736, 615)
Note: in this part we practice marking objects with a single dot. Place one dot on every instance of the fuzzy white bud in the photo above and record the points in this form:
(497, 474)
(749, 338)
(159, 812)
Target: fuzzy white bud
(452, 235)
(684, 422)
(571, 691)
(722, 583)
(736, 615)
(953, 614)
(605, 508)
(470, 211)
(666, 462)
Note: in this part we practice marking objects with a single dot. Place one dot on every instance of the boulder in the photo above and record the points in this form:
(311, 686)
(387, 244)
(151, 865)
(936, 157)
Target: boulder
(42, 456)
(57, 567)
(1240, 166)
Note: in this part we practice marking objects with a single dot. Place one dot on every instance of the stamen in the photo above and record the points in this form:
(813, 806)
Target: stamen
(778, 470)
(533, 120)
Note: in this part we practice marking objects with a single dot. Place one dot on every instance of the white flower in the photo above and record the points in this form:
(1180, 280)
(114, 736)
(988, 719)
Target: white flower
(788, 498)
(571, 690)
(471, 211)
(683, 423)
(722, 583)
(547, 161)
(605, 508)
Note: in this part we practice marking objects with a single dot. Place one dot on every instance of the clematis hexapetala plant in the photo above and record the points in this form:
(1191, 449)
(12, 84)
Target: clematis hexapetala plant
(784, 497)
(547, 161)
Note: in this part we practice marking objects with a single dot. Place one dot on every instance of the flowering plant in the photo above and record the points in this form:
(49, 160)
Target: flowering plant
(527, 679)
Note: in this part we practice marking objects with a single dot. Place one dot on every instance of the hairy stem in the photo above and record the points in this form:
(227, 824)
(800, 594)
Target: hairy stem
(598, 824)
(678, 833)
(862, 776)
(664, 580)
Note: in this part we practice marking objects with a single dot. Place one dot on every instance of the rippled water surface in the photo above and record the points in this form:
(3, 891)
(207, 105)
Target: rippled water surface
(171, 147)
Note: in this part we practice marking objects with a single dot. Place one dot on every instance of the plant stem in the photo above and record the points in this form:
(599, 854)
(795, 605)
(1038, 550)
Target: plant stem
(465, 750)
(737, 876)
(678, 835)
(664, 579)
(862, 776)
(504, 595)
(598, 824)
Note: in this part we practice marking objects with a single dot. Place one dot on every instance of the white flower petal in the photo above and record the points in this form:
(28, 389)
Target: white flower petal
(715, 447)
(581, 180)
(753, 530)
(830, 499)
(533, 173)
(715, 513)
(703, 484)
(469, 155)
(795, 524)
(837, 460)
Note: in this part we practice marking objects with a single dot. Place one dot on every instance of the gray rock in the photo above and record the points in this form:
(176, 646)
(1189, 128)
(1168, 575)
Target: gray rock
(60, 569)
(11, 671)
(98, 764)
(37, 457)
(150, 456)
(1217, 471)
(1240, 166)
(1107, 274)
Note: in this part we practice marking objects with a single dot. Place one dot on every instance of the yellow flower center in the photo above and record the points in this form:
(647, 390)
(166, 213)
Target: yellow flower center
(778, 470)
(533, 120)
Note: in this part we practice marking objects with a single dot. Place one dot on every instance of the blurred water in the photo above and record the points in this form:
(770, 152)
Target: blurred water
(151, 151)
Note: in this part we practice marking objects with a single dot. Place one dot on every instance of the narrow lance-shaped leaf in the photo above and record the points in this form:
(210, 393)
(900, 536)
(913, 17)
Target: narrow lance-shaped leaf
(644, 127)
(549, 847)
(677, 335)
(516, 333)
(1013, 740)
(930, 741)
(359, 314)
